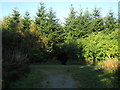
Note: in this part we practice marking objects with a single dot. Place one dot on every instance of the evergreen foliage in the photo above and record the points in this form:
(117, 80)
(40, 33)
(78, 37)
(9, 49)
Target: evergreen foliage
(46, 35)
(26, 21)
(110, 22)
(70, 25)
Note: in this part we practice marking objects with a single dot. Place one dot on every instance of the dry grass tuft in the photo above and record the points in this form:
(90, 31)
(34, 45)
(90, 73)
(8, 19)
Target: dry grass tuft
(110, 64)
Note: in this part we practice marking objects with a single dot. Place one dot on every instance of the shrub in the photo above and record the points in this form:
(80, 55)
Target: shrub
(70, 48)
(14, 66)
(37, 56)
(73, 49)
(98, 46)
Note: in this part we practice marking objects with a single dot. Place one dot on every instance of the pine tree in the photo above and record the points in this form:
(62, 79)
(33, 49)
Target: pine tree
(70, 24)
(54, 28)
(6, 32)
(12, 33)
(15, 19)
(87, 22)
(84, 23)
(96, 13)
(110, 22)
(26, 21)
(98, 23)
(41, 19)
(80, 23)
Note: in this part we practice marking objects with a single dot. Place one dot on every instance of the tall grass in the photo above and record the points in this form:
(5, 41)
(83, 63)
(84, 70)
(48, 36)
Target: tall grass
(109, 64)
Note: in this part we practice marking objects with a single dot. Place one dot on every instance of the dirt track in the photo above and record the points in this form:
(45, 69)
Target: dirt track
(58, 79)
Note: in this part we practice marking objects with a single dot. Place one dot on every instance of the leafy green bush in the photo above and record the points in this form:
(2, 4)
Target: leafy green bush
(70, 47)
(97, 46)
(73, 49)
(37, 56)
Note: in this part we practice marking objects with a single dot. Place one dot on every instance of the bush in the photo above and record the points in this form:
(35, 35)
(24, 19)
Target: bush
(98, 46)
(37, 56)
(73, 48)
(70, 48)
(14, 66)
(70, 51)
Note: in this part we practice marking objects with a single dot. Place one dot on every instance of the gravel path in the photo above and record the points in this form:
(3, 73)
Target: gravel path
(58, 79)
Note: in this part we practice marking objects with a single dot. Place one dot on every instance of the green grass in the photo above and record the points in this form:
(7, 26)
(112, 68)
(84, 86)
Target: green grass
(88, 77)
(32, 80)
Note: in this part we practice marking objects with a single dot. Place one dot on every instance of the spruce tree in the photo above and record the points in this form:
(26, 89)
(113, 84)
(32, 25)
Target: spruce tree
(70, 23)
(26, 21)
(96, 13)
(110, 22)
(98, 23)
(6, 32)
(87, 22)
(84, 23)
(41, 19)
(80, 23)
(13, 34)
(54, 28)
(15, 19)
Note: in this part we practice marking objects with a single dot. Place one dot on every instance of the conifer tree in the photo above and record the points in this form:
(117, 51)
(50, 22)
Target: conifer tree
(98, 23)
(96, 13)
(15, 19)
(80, 23)
(13, 30)
(26, 21)
(6, 32)
(70, 25)
(41, 19)
(87, 22)
(84, 23)
(110, 22)
(54, 28)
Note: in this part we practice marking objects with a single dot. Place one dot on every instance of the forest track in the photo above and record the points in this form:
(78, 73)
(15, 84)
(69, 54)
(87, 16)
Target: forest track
(58, 79)
(65, 76)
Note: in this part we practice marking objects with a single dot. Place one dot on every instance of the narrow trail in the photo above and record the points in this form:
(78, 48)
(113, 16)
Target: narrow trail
(58, 79)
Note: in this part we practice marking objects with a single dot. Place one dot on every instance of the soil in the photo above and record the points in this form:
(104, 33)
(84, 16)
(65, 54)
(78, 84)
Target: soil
(58, 79)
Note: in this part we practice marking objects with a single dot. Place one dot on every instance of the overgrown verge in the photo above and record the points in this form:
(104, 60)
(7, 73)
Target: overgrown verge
(15, 64)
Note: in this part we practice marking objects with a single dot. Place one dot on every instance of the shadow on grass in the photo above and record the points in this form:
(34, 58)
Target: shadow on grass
(87, 77)
(91, 78)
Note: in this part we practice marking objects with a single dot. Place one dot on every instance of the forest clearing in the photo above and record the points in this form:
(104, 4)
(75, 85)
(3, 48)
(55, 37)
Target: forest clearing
(82, 52)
